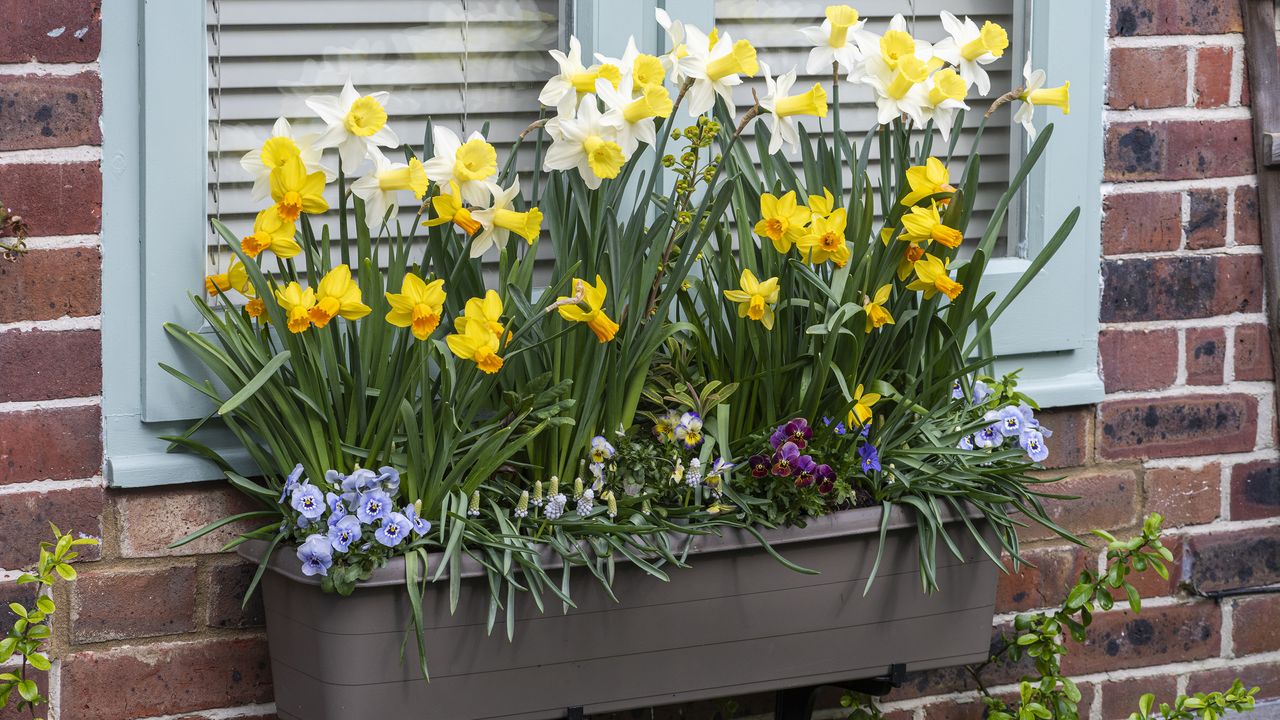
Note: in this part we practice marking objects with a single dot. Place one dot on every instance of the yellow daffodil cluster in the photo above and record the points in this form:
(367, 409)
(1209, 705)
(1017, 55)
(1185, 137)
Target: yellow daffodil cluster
(817, 232)
(336, 295)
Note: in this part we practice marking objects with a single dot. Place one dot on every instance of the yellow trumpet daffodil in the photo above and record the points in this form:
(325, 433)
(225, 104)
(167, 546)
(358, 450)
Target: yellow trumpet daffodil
(449, 209)
(378, 189)
(1034, 94)
(356, 124)
(907, 264)
(296, 301)
(895, 45)
(478, 345)
(861, 413)
(337, 294)
(933, 277)
(822, 205)
(783, 107)
(833, 42)
(923, 224)
(782, 220)
(647, 72)
(877, 314)
(825, 240)
(271, 232)
(969, 47)
(472, 165)
(501, 219)
(715, 64)
(283, 145)
(587, 143)
(928, 179)
(295, 191)
(257, 308)
(235, 278)
(418, 305)
(485, 311)
(592, 298)
(755, 298)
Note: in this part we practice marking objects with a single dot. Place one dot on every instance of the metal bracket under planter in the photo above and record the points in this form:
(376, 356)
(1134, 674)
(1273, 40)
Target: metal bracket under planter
(797, 703)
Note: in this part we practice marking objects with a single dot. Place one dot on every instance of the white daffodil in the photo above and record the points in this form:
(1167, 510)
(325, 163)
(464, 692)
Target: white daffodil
(574, 80)
(472, 165)
(895, 63)
(676, 34)
(940, 98)
(498, 221)
(633, 118)
(1035, 93)
(378, 189)
(835, 42)
(356, 124)
(970, 47)
(282, 146)
(587, 142)
(644, 70)
(716, 66)
(782, 108)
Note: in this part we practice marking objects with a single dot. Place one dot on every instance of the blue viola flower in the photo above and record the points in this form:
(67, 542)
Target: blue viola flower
(373, 506)
(966, 443)
(395, 528)
(344, 532)
(307, 500)
(1033, 442)
(389, 479)
(337, 508)
(334, 478)
(840, 429)
(420, 527)
(720, 468)
(291, 482)
(358, 483)
(988, 437)
(981, 392)
(316, 555)
(957, 390)
(870, 457)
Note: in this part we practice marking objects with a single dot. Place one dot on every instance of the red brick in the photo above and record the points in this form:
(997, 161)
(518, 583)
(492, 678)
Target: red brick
(1206, 351)
(152, 519)
(1158, 636)
(1255, 490)
(1055, 570)
(1072, 430)
(1120, 698)
(1141, 222)
(10, 712)
(1254, 627)
(1264, 676)
(25, 518)
(1174, 17)
(956, 710)
(1177, 426)
(1151, 585)
(1178, 150)
(12, 592)
(28, 32)
(1213, 76)
(50, 444)
(1180, 287)
(49, 284)
(1253, 353)
(227, 585)
(125, 604)
(41, 365)
(1206, 225)
(1104, 499)
(1138, 359)
(1184, 495)
(1246, 210)
(1233, 559)
(1147, 78)
(48, 111)
(165, 679)
(54, 198)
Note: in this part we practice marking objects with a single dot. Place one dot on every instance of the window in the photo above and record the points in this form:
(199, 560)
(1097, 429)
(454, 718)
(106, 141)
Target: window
(172, 148)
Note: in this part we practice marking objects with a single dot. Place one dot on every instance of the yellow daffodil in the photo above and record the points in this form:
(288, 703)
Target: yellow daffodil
(907, 264)
(647, 71)
(947, 85)
(822, 205)
(895, 45)
(587, 143)
(235, 278)
(478, 345)
(861, 413)
(933, 277)
(833, 42)
(296, 301)
(485, 311)
(585, 81)
(992, 39)
(1034, 94)
(283, 145)
(256, 308)
(449, 209)
(295, 191)
(928, 179)
(271, 232)
(418, 305)
(337, 295)
(825, 240)
(969, 47)
(356, 124)
(923, 224)
(472, 165)
(877, 314)
(783, 107)
(571, 308)
(715, 64)
(755, 298)
(741, 60)
(501, 219)
(782, 220)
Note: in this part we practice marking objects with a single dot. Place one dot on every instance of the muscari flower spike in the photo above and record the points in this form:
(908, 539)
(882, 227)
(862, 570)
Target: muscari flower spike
(522, 506)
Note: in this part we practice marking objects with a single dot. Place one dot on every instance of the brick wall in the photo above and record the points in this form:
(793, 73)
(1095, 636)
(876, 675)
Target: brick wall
(1188, 428)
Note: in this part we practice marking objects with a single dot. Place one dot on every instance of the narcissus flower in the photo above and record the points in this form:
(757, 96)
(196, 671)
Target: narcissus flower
(782, 220)
(1034, 93)
(928, 179)
(970, 47)
(835, 43)
(336, 295)
(235, 278)
(283, 145)
(271, 232)
(825, 240)
(592, 299)
(473, 165)
(295, 191)
(782, 108)
(932, 276)
(716, 68)
(378, 189)
(498, 221)
(822, 205)
(356, 124)
(634, 118)
(485, 311)
(449, 209)
(296, 302)
(564, 90)
(943, 97)
(256, 308)
(588, 143)
(907, 264)
(923, 224)
(478, 345)
(896, 63)
(861, 413)
(679, 50)
(755, 298)
(877, 314)
(418, 305)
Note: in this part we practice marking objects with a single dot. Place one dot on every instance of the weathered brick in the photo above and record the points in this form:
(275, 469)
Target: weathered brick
(1178, 150)
(1180, 287)
(1233, 559)
(1254, 627)
(1138, 359)
(1151, 585)
(227, 585)
(1055, 570)
(126, 604)
(1120, 697)
(1159, 636)
(955, 710)
(1206, 352)
(1177, 426)
(10, 712)
(1206, 225)
(1255, 490)
(47, 111)
(1072, 432)
(1147, 78)
(50, 31)
(25, 518)
(1141, 222)
(50, 444)
(1184, 495)
(49, 284)
(1246, 210)
(54, 198)
(11, 592)
(1253, 353)
(165, 678)
(1213, 76)
(152, 519)
(1174, 17)
(1265, 676)
(1105, 499)
(41, 365)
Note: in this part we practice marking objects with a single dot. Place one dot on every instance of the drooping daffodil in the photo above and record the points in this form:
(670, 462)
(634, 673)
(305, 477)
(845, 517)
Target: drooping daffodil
(235, 278)
(755, 298)
(378, 189)
(862, 402)
(449, 209)
(969, 47)
(499, 220)
(283, 145)
(296, 301)
(1034, 94)
(782, 220)
(716, 68)
(907, 264)
(271, 232)
(783, 108)
(586, 305)
(485, 311)
(418, 305)
(924, 224)
(835, 42)
(296, 191)
(825, 240)
(478, 345)
(356, 124)
(933, 277)
(473, 165)
(822, 205)
(877, 314)
(337, 295)
(928, 179)
(588, 143)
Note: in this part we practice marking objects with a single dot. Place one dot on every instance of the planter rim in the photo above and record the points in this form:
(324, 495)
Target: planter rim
(856, 521)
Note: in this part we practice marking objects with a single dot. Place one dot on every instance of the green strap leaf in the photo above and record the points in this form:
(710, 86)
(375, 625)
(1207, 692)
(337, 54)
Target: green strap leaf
(256, 382)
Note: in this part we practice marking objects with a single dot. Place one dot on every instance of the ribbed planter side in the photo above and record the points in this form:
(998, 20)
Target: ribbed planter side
(737, 621)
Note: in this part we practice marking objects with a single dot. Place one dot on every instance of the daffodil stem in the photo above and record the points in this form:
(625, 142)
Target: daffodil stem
(1004, 99)
(748, 116)
(688, 83)
(532, 126)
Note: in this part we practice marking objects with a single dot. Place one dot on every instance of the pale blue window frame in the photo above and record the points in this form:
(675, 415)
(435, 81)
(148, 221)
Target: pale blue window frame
(154, 163)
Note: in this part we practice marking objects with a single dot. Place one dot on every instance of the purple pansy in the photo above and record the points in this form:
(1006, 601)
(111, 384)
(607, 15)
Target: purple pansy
(344, 532)
(1011, 419)
(316, 555)
(804, 471)
(291, 482)
(1033, 442)
(785, 459)
(988, 437)
(826, 478)
(373, 505)
(759, 465)
(394, 529)
(966, 443)
(420, 527)
(337, 508)
(796, 431)
(307, 500)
